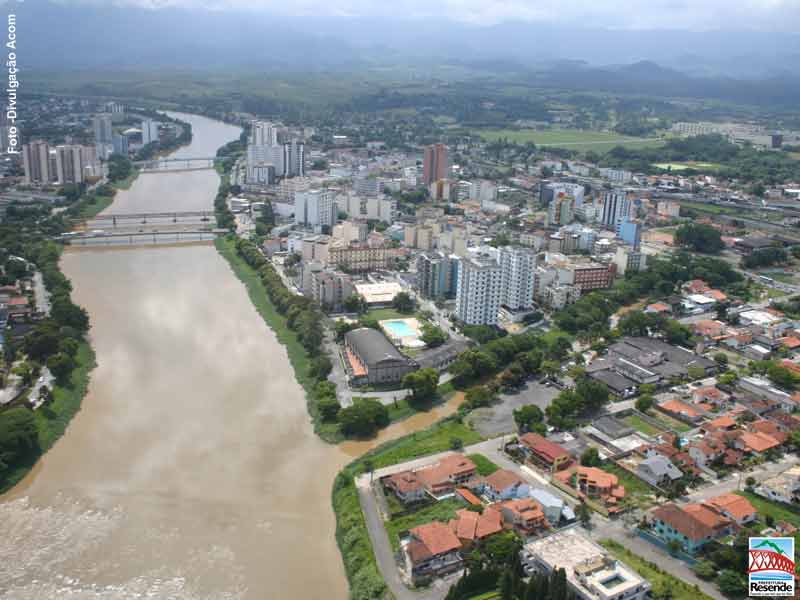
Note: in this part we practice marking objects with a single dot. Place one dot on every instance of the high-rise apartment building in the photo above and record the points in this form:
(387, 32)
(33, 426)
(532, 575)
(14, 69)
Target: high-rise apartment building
(616, 208)
(72, 163)
(561, 210)
(315, 208)
(435, 164)
(478, 291)
(518, 270)
(149, 131)
(36, 162)
(103, 132)
(437, 275)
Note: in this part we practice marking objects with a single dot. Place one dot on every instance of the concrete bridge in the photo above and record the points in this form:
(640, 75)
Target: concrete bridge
(109, 238)
(153, 218)
(176, 165)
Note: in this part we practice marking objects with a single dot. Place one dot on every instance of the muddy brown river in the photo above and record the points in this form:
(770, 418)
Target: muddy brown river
(192, 470)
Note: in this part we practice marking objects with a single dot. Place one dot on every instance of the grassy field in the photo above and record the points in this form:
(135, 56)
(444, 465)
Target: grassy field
(382, 314)
(778, 511)
(439, 511)
(571, 139)
(660, 580)
(483, 464)
(683, 166)
(636, 491)
(277, 322)
(709, 208)
(52, 419)
(641, 425)
(669, 422)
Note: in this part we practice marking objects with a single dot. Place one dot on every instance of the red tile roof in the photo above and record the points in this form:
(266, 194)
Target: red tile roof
(502, 479)
(436, 537)
(736, 506)
(695, 521)
(548, 450)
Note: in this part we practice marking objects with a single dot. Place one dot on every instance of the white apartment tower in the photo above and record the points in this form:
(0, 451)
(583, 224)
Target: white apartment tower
(103, 132)
(315, 208)
(478, 291)
(36, 161)
(518, 276)
(149, 131)
(70, 164)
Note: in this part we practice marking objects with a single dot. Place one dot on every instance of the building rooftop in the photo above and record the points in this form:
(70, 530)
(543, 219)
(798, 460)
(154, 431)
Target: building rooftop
(372, 346)
(588, 567)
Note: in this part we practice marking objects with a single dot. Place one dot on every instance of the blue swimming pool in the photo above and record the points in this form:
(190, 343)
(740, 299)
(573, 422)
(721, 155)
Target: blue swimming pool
(399, 329)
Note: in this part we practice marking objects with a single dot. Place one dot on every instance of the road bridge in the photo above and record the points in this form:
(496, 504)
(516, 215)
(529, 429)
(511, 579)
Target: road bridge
(113, 219)
(174, 165)
(93, 238)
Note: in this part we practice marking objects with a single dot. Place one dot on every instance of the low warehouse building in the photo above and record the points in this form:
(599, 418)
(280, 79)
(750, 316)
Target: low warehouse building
(371, 358)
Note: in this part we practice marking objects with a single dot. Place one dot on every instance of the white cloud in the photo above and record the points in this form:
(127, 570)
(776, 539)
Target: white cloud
(697, 15)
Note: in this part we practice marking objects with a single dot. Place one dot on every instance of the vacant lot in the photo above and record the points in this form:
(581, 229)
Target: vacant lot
(641, 425)
(438, 511)
(498, 418)
(571, 139)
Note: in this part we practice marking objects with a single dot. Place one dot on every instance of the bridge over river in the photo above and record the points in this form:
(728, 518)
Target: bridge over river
(176, 165)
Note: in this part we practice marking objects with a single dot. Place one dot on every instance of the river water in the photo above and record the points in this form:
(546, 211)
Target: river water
(192, 470)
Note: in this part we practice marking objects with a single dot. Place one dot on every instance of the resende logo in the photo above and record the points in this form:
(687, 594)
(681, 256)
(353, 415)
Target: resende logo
(771, 566)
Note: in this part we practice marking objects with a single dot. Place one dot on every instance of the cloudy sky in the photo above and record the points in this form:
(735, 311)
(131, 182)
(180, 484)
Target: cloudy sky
(694, 15)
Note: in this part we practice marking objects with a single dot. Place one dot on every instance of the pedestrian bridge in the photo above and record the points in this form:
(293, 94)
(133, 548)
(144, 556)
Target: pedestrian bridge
(176, 165)
(119, 220)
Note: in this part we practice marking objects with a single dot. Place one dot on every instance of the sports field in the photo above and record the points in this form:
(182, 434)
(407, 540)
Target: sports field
(683, 166)
(571, 139)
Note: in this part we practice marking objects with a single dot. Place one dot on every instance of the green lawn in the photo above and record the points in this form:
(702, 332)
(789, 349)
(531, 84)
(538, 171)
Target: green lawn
(571, 139)
(636, 490)
(779, 512)
(641, 425)
(443, 510)
(669, 422)
(483, 464)
(659, 579)
(382, 314)
(486, 596)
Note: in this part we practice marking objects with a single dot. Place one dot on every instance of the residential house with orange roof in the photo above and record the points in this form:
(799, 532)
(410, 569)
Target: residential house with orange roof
(770, 428)
(696, 286)
(597, 484)
(451, 471)
(736, 508)
(721, 423)
(432, 550)
(406, 486)
(472, 527)
(755, 443)
(691, 525)
(716, 295)
(709, 328)
(710, 394)
(791, 343)
(503, 485)
(544, 452)
(524, 515)
(658, 308)
(686, 412)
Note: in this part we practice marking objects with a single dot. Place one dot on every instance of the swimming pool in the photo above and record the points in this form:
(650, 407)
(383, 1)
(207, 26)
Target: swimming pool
(399, 329)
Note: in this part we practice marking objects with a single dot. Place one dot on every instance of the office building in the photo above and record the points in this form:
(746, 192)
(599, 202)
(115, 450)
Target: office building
(518, 268)
(356, 257)
(36, 162)
(631, 232)
(315, 208)
(265, 133)
(149, 131)
(115, 111)
(437, 275)
(478, 290)
(367, 186)
(435, 164)
(616, 208)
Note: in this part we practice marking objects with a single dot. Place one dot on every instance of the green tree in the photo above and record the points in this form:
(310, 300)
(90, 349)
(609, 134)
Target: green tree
(404, 303)
(432, 336)
(731, 583)
(328, 408)
(19, 438)
(700, 238)
(590, 457)
(363, 418)
(422, 383)
(644, 402)
(61, 366)
(478, 396)
(705, 569)
(584, 514)
(528, 416)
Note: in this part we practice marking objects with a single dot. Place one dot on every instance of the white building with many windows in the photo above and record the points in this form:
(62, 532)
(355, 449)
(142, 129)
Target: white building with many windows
(478, 290)
(315, 208)
(518, 268)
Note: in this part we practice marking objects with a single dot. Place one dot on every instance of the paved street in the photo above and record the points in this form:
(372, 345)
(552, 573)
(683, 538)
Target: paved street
(41, 294)
(736, 481)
